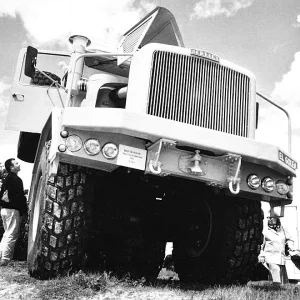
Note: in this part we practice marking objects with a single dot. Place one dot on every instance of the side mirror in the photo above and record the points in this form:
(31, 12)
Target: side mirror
(30, 61)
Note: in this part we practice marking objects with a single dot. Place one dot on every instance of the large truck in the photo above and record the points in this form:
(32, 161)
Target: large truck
(154, 143)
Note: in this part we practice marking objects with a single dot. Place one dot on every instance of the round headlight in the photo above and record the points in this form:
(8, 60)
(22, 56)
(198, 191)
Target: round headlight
(74, 143)
(268, 184)
(92, 146)
(110, 150)
(281, 187)
(253, 181)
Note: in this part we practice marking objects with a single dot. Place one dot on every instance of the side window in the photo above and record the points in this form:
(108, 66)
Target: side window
(47, 62)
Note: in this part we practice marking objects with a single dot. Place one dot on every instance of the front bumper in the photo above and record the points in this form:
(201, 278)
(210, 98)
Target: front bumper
(233, 158)
(152, 128)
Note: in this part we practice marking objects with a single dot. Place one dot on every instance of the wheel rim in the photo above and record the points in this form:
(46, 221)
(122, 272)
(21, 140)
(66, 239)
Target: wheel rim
(36, 211)
(197, 247)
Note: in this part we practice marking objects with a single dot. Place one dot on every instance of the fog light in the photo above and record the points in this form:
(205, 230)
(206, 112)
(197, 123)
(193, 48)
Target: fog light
(268, 184)
(92, 146)
(110, 150)
(281, 187)
(74, 143)
(62, 148)
(64, 133)
(253, 181)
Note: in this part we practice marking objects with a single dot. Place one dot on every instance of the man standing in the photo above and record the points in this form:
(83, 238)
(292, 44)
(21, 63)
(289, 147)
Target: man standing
(12, 210)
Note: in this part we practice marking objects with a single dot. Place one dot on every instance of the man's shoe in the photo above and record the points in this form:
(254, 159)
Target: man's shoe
(4, 262)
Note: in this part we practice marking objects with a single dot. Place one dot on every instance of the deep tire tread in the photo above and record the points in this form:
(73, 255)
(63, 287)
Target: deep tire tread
(233, 249)
(63, 225)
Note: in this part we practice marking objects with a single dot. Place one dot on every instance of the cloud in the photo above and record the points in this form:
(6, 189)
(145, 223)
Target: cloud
(287, 91)
(211, 8)
(3, 87)
(278, 47)
(52, 22)
(298, 22)
(8, 8)
(4, 100)
(148, 6)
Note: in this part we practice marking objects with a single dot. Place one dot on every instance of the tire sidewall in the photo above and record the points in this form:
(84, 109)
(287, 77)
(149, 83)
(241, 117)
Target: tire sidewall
(37, 205)
(218, 262)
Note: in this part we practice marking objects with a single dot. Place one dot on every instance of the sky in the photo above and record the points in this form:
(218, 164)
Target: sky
(262, 36)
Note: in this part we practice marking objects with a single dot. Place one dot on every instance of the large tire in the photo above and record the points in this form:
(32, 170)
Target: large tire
(224, 252)
(58, 220)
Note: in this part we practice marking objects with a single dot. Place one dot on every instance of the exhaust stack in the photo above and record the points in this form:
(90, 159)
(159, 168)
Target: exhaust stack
(79, 44)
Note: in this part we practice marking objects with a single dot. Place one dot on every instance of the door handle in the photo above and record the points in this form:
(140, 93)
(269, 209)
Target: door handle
(18, 97)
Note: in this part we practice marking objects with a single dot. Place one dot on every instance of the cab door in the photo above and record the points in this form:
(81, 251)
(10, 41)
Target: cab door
(31, 103)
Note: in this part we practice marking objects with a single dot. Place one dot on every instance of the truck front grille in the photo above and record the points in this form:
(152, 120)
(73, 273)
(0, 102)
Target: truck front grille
(199, 92)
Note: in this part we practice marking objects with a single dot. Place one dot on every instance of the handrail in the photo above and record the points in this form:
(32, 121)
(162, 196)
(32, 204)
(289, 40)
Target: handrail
(72, 71)
(289, 121)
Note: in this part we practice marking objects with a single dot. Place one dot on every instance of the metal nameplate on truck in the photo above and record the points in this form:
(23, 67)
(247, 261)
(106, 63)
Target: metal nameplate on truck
(287, 160)
(205, 54)
(131, 157)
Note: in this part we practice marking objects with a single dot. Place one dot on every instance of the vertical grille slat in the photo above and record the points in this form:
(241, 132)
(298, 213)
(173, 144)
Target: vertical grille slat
(195, 104)
(196, 91)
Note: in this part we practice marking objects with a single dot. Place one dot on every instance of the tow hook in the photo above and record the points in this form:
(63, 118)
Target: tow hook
(196, 159)
(234, 181)
(155, 164)
(234, 188)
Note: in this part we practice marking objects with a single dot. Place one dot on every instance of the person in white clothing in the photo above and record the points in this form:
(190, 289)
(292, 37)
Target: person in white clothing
(272, 253)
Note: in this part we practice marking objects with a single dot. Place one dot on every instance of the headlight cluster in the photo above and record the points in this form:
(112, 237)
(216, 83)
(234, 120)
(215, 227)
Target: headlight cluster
(267, 184)
(91, 146)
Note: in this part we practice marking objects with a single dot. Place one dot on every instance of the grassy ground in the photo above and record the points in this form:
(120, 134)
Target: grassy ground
(15, 283)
